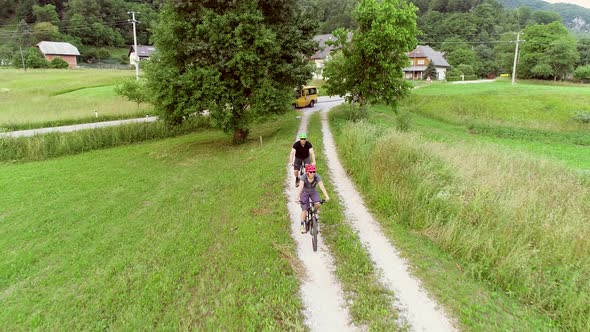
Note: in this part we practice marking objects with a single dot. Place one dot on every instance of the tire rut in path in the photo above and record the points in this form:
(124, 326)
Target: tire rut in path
(416, 307)
(322, 296)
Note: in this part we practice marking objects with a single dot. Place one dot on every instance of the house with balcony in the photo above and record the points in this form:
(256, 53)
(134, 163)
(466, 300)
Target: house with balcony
(420, 57)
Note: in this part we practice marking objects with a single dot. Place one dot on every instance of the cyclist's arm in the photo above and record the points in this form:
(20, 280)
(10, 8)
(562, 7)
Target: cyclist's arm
(312, 156)
(291, 159)
(321, 184)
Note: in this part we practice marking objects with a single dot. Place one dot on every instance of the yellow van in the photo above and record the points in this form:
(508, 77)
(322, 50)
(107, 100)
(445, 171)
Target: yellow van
(307, 96)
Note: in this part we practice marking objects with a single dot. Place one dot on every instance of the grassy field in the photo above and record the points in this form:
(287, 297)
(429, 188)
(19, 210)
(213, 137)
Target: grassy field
(511, 210)
(38, 98)
(182, 233)
(526, 105)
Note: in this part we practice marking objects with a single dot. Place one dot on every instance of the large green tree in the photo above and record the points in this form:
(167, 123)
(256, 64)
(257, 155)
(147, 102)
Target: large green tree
(549, 52)
(584, 51)
(369, 67)
(240, 60)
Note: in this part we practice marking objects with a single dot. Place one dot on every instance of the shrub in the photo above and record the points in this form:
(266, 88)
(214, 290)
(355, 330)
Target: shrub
(33, 59)
(466, 70)
(133, 90)
(58, 63)
(403, 121)
(124, 59)
(583, 117)
(582, 73)
(355, 113)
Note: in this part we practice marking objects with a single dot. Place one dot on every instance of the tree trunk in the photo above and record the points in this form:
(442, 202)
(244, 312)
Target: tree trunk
(240, 136)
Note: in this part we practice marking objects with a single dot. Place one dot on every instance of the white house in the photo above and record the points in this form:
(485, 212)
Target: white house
(419, 60)
(144, 53)
(323, 54)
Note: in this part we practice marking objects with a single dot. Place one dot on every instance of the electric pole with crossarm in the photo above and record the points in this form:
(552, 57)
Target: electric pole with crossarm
(136, 53)
(518, 41)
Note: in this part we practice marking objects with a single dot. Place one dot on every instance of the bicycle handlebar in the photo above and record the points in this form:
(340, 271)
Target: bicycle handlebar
(323, 201)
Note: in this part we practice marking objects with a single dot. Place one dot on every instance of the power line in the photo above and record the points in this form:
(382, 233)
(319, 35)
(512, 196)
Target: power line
(101, 18)
(66, 29)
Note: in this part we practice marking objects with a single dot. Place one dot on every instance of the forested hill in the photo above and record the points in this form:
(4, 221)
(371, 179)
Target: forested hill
(81, 22)
(575, 18)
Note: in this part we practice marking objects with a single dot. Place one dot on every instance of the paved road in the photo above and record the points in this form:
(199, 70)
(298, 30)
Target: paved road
(66, 129)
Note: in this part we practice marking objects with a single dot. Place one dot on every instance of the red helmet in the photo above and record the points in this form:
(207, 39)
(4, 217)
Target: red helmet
(310, 168)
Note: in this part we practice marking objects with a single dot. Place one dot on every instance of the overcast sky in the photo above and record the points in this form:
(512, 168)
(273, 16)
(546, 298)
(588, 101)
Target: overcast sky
(583, 3)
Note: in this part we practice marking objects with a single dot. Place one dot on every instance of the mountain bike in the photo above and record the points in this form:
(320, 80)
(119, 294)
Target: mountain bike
(302, 167)
(311, 223)
(301, 171)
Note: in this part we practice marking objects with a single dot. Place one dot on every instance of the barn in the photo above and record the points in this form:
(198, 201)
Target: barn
(66, 51)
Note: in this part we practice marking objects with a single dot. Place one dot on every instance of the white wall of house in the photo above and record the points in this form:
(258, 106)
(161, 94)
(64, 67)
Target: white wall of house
(132, 58)
(319, 69)
(441, 73)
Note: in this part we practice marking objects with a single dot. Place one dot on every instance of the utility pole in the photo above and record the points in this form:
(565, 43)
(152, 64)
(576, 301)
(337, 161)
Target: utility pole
(133, 21)
(515, 57)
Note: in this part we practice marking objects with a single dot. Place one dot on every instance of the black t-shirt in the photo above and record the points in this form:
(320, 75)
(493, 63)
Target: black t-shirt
(302, 152)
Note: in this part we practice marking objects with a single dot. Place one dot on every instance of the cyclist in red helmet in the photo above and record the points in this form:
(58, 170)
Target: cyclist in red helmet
(301, 152)
(309, 181)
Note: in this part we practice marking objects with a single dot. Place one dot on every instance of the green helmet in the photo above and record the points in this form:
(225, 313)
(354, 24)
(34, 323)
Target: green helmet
(302, 135)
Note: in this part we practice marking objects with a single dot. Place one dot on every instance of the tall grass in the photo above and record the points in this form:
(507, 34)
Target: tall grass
(51, 145)
(519, 223)
(66, 122)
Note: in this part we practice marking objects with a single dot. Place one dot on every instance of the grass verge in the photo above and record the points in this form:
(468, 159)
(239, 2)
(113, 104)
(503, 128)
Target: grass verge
(370, 303)
(66, 122)
(517, 224)
(183, 233)
(40, 147)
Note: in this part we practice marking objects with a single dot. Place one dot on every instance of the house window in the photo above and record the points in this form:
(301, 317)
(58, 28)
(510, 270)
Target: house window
(421, 61)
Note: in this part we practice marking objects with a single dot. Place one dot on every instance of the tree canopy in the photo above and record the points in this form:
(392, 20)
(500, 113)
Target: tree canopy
(369, 67)
(549, 52)
(239, 60)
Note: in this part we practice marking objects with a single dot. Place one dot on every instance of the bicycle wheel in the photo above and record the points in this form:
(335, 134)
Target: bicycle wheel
(314, 233)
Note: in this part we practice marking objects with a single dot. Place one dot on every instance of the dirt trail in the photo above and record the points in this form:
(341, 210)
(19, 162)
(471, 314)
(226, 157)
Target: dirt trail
(416, 307)
(322, 296)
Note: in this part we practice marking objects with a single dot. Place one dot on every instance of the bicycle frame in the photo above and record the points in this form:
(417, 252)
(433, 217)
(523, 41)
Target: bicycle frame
(302, 167)
(311, 221)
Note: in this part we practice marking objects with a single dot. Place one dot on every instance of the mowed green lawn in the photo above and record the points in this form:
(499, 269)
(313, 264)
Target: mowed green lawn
(529, 117)
(183, 233)
(526, 105)
(40, 96)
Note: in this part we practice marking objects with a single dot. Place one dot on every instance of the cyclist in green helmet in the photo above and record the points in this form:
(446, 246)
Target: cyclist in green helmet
(301, 152)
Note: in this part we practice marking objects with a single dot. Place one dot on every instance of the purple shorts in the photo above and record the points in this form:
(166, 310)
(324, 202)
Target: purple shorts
(305, 195)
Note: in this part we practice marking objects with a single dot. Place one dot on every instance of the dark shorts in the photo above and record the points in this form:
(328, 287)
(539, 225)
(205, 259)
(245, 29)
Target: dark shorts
(298, 162)
(305, 195)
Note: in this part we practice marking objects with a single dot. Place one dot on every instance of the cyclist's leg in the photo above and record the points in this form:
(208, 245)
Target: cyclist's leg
(296, 165)
(315, 198)
(304, 207)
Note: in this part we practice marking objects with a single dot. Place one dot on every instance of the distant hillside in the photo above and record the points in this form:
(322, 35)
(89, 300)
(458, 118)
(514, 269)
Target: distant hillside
(575, 17)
